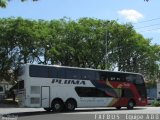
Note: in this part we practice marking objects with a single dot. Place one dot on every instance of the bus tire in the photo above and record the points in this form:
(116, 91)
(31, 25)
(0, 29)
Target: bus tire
(57, 105)
(131, 104)
(118, 107)
(70, 105)
(47, 109)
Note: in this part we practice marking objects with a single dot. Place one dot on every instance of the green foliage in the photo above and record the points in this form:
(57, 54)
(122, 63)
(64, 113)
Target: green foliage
(86, 42)
(3, 3)
(155, 103)
(151, 84)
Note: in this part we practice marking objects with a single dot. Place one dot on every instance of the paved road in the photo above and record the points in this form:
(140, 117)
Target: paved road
(78, 114)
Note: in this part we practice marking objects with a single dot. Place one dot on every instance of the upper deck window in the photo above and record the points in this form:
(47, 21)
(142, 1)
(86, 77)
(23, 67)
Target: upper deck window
(112, 76)
(73, 74)
(52, 72)
(38, 71)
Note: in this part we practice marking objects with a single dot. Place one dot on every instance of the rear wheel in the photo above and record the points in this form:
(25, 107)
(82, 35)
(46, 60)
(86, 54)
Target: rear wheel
(57, 105)
(131, 104)
(70, 104)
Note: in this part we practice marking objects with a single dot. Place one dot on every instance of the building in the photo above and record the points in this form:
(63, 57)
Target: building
(4, 87)
(158, 90)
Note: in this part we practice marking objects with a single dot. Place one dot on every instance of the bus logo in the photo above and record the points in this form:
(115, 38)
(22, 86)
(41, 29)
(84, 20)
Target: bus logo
(74, 82)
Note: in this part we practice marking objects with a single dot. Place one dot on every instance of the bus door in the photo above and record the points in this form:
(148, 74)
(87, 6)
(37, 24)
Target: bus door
(45, 96)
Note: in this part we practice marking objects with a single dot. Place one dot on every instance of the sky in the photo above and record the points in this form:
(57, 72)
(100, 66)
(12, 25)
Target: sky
(144, 16)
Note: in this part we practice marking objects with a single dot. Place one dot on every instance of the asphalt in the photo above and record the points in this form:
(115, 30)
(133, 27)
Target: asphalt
(81, 114)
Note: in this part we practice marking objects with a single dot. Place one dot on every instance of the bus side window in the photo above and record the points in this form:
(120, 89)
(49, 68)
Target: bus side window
(84, 75)
(38, 71)
(103, 76)
(130, 78)
(139, 79)
(90, 92)
(89, 75)
(115, 77)
(52, 72)
(61, 73)
(73, 73)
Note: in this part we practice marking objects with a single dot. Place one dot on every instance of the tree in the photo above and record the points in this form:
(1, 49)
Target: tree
(86, 42)
(3, 3)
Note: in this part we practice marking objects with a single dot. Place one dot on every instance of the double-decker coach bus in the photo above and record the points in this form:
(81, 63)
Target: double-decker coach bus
(58, 87)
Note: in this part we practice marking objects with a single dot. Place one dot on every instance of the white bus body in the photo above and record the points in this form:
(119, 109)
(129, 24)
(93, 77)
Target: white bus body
(58, 87)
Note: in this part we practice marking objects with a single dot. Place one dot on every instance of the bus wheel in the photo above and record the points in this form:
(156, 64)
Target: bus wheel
(118, 107)
(70, 104)
(47, 109)
(131, 104)
(57, 105)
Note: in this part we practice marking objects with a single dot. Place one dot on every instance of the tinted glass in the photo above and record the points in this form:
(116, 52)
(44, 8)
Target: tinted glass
(85, 75)
(73, 73)
(137, 79)
(52, 72)
(130, 78)
(90, 92)
(38, 71)
(103, 76)
(61, 72)
(115, 76)
(89, 75)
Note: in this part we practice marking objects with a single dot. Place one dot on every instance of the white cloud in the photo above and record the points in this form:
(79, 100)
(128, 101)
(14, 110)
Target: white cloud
(131, 15)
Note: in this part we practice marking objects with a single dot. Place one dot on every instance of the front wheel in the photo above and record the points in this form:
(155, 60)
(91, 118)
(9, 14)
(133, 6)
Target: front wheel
(70, 105)
(131, 104)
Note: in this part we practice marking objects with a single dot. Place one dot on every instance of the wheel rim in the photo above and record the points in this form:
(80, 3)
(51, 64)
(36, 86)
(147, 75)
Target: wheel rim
(131, 104)
(57, 106)
(70, 106)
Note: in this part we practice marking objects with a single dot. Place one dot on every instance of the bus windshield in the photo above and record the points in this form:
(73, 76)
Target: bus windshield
(137, 79)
